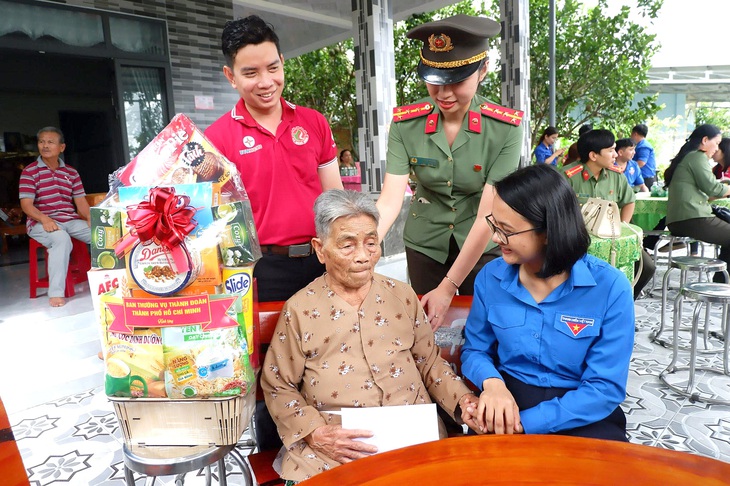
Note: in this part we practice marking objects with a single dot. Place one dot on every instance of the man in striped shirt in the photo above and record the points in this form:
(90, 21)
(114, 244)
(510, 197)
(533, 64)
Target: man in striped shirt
(48, 191)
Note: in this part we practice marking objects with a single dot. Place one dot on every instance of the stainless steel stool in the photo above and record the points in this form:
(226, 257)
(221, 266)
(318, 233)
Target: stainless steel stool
(155, 461)
(685, 264)
(667, 238)
(705, 293)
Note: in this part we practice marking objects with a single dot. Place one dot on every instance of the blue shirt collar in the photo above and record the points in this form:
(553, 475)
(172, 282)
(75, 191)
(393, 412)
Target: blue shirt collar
(508, 275)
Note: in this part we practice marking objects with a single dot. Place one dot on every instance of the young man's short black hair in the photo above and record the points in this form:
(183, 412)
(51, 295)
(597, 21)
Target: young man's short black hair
(623, 143)
(640, 129)
(594, 141)
(246, 31)
(543, 196)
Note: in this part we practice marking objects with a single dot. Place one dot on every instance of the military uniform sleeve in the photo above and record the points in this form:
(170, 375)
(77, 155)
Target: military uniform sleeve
(702, 174)
(443, 385)
(281, 376)
(508, 159)
(625, 194)
(397, 157)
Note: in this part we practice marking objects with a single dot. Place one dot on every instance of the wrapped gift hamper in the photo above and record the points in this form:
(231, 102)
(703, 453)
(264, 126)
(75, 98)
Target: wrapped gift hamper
(173, 250)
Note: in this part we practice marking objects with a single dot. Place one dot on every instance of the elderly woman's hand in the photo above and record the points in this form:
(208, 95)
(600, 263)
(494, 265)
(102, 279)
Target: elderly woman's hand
(437, 302)
(337, 443)
(466, 403)
(497, 412)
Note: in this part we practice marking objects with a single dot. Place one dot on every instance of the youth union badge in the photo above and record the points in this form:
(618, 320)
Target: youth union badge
(299, 135)
(576, 324)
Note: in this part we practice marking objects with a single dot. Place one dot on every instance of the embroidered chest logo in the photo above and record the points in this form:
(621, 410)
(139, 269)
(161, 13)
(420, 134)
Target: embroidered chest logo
(576, 324)
(250, 143)
(299, 135)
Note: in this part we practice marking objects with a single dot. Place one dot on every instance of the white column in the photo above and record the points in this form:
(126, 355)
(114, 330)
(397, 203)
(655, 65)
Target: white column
(515, 53)
(375, 84)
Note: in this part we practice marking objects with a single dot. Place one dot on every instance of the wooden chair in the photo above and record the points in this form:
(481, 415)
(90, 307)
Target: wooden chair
(266, 315)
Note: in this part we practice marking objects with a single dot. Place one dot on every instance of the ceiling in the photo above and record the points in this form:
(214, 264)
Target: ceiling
(307, 25)
(699, 83)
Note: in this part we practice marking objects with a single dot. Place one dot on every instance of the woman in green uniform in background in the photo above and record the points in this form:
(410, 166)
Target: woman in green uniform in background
(455, 145)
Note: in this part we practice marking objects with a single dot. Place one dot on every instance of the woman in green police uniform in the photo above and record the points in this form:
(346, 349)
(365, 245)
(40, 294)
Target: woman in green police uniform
(691, 183)
(455, 144)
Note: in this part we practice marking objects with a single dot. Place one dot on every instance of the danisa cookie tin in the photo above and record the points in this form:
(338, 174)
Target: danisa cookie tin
(152, 269)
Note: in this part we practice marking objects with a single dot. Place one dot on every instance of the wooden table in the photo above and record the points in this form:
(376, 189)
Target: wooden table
(12, 472)
(648, 211)
(528, 459)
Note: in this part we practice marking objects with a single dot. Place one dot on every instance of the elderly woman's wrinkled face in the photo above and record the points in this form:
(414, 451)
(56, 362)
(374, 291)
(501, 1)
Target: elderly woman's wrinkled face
(350, 252)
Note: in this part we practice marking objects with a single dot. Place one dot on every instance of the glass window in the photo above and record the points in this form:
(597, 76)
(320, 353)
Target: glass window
(145, 108)
(134, 35)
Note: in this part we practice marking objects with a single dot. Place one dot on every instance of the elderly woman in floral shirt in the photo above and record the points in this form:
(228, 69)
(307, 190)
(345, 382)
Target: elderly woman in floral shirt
(351, 338)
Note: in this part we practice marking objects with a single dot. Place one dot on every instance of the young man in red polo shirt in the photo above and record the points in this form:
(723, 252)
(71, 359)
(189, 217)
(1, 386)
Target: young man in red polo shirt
(51, 193)
(285, 153)
(286, 156)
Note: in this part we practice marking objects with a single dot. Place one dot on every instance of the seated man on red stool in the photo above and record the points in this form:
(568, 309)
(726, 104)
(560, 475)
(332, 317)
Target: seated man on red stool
(48, 191)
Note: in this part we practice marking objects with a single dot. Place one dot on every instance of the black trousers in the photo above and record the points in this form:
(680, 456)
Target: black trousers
(278, 277)
(426, 273)
(712, 230)
(646, 273)
(527, 396)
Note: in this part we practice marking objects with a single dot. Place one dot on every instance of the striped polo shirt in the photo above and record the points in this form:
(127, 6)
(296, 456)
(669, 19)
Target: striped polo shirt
(52, 191)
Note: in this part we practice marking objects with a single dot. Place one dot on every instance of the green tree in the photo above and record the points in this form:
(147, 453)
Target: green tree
(601, 62)
(709, 112)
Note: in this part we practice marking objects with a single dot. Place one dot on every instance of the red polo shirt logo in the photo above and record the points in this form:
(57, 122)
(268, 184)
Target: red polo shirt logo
(299, 135)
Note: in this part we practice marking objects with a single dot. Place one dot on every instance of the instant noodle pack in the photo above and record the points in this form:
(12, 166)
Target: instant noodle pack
(175, 225)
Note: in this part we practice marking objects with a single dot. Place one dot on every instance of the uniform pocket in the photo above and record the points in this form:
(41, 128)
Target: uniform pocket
(508, 324)
(574, 336)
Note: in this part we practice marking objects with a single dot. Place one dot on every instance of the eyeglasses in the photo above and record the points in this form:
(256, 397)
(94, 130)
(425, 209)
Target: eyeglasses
(501, 235)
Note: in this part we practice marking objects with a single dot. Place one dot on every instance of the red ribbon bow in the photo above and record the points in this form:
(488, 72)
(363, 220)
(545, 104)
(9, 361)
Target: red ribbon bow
(166, 218)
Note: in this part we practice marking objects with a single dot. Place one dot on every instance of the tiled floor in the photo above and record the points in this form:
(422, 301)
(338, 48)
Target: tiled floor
(68, 434)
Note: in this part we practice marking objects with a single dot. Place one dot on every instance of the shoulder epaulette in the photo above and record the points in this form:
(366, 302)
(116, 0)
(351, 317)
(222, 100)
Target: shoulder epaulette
(401, 113)
(501, 113)
(615, 169)
(574, 170)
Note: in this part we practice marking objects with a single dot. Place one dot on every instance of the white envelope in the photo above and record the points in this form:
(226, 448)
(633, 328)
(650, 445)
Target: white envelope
(394, 427)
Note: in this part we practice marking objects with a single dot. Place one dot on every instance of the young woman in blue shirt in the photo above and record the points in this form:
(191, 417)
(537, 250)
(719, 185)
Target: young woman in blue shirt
(551, 328)
(545, 152)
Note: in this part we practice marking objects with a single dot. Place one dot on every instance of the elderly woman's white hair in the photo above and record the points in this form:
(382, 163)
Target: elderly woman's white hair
(337, 203)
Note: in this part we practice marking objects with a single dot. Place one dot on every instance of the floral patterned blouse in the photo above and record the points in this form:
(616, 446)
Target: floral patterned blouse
(325, 355)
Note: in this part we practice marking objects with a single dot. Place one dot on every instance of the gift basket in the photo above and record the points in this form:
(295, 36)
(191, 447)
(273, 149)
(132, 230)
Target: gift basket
(173, 250)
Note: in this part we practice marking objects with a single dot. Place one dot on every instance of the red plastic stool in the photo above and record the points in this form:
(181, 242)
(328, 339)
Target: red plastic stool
(79, 263)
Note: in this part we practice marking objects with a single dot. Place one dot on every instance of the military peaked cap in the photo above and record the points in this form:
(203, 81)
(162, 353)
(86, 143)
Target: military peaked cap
(453, 48)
